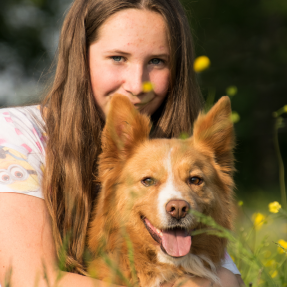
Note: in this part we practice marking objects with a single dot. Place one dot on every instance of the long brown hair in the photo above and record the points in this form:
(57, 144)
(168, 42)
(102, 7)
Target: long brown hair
(73, 119)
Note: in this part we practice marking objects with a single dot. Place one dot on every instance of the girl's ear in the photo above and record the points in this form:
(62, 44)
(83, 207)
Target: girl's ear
(214, 132)
(125, 128)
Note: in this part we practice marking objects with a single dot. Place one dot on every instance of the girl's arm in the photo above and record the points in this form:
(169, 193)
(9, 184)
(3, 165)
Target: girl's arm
(26, 244)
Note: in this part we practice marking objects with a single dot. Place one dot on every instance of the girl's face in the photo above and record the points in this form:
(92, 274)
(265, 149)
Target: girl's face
(131, 48)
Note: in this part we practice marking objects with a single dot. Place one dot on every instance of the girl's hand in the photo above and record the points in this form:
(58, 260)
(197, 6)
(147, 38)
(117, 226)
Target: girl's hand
(189, 282)
(227, 279)
(240, 281)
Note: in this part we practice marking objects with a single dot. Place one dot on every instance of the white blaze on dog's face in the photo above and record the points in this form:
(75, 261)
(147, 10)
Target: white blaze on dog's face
(160, 180)
(168, 190)
(160, 172)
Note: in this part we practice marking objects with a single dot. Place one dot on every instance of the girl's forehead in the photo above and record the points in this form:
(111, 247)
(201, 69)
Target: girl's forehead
(134, 27)
(138, 17)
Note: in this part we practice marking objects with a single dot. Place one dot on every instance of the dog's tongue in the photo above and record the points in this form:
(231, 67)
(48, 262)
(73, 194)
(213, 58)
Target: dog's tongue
(176, 242)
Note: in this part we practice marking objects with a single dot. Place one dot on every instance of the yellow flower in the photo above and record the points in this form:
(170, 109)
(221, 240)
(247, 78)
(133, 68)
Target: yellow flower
(270, 263)
(274, 273)
(231, 91)
(201, 63)
(283, 243)
(258, 220)
(274, 207)
(147, 87)
(235, 117)
(240, 203)
(285, 108)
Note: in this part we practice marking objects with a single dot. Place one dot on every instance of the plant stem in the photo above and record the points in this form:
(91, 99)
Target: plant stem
(210, 99)
(281, 165)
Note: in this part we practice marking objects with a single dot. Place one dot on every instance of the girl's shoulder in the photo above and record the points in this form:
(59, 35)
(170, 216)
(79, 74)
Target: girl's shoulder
(22, 150)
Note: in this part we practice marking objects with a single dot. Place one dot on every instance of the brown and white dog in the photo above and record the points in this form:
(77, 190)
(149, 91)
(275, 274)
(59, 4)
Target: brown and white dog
(148, 188)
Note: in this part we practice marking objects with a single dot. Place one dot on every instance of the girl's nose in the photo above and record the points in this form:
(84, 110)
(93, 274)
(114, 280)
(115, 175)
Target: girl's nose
(134, 78)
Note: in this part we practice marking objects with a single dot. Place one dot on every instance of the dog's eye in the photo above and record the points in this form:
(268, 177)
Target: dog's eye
(195, 180)
(148, 181)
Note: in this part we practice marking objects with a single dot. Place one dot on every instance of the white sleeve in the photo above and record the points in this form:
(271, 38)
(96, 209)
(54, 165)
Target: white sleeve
(229, 264)
(22, 152)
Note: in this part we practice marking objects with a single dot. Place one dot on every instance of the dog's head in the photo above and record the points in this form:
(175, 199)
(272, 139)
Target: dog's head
(150, 185)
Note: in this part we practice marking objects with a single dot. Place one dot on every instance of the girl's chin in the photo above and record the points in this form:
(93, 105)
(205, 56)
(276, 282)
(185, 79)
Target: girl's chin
(143, 108)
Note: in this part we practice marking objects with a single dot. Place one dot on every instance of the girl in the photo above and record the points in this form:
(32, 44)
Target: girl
(106, 47)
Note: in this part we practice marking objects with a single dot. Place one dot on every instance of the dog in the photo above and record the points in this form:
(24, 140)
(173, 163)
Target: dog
(142, 222)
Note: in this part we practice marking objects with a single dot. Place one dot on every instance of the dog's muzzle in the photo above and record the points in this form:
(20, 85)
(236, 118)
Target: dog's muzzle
(175, 242)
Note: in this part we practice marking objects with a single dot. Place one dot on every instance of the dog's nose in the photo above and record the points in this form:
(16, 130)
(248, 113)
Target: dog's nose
(177, 208)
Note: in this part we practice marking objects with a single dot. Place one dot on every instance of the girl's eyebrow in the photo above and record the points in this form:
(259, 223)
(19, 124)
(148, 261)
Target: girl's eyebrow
(116, 51)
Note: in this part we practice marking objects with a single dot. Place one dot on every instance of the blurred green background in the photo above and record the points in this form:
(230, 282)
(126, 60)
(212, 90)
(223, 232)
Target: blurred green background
(246, 42)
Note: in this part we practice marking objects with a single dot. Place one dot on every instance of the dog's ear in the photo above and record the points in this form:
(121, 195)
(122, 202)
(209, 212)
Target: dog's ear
(125, 127)
(214, 132)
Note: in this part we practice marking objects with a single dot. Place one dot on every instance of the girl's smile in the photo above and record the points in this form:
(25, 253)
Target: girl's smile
(131, 48)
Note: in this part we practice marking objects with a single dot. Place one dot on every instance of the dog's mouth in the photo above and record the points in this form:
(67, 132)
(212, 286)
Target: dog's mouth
(175, 242)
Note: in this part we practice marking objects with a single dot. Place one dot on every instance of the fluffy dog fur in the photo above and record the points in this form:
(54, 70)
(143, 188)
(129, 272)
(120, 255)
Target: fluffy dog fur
(139, 176)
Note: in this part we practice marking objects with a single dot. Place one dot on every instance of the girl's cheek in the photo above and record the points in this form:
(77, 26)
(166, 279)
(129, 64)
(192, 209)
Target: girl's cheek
(106, 78)
(161, 81)
(115, 73)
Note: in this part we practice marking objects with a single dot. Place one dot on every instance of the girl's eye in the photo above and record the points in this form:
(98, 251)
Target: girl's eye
(117, 58)
(148, 181)
(195, 180)
(156, 61)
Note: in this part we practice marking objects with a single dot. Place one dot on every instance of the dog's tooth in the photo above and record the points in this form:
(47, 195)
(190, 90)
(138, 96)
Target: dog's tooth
(159, 232)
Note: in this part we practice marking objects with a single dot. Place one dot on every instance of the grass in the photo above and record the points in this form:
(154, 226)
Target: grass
(256, 248)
